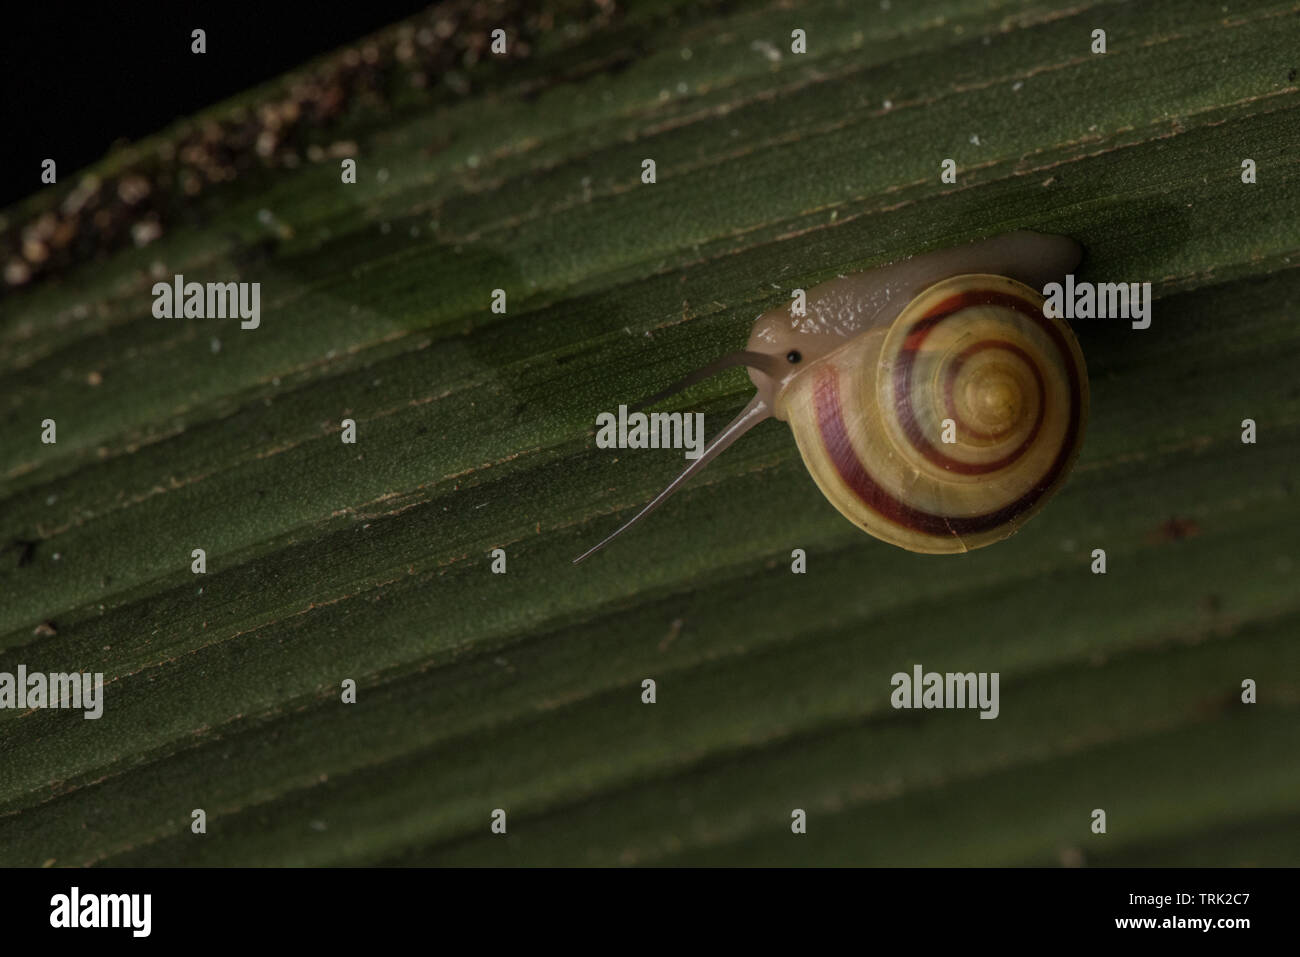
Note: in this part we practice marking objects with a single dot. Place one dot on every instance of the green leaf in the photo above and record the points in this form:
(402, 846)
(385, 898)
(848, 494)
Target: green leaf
(522, 691)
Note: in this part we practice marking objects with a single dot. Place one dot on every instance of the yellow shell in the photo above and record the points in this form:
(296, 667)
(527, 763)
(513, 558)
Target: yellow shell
(949, 428)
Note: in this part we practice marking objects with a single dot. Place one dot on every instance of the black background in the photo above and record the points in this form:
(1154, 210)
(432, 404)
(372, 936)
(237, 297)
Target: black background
(79, 77)
(809, 911)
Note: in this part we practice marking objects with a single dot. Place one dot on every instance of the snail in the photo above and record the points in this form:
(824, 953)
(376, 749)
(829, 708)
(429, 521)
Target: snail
(932, 400)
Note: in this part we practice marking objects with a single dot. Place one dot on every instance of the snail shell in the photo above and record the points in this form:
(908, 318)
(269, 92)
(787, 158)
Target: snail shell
(932, 400)
(976, 351)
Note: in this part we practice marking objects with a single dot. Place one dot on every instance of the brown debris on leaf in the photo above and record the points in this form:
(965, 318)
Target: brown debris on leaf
(1174, 530)
(426, 56)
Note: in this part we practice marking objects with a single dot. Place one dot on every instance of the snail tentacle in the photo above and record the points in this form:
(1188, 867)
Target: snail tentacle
(754, 360)
(755, 412)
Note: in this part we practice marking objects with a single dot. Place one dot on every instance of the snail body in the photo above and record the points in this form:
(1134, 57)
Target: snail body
(933, 402)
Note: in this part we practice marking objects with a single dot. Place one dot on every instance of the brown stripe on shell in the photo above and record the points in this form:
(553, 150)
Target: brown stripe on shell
(835, 437)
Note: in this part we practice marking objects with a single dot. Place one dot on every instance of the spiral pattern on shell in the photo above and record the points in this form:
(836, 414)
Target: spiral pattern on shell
(949, 429)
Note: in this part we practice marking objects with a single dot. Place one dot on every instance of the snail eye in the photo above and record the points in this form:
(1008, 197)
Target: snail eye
(793, 356)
